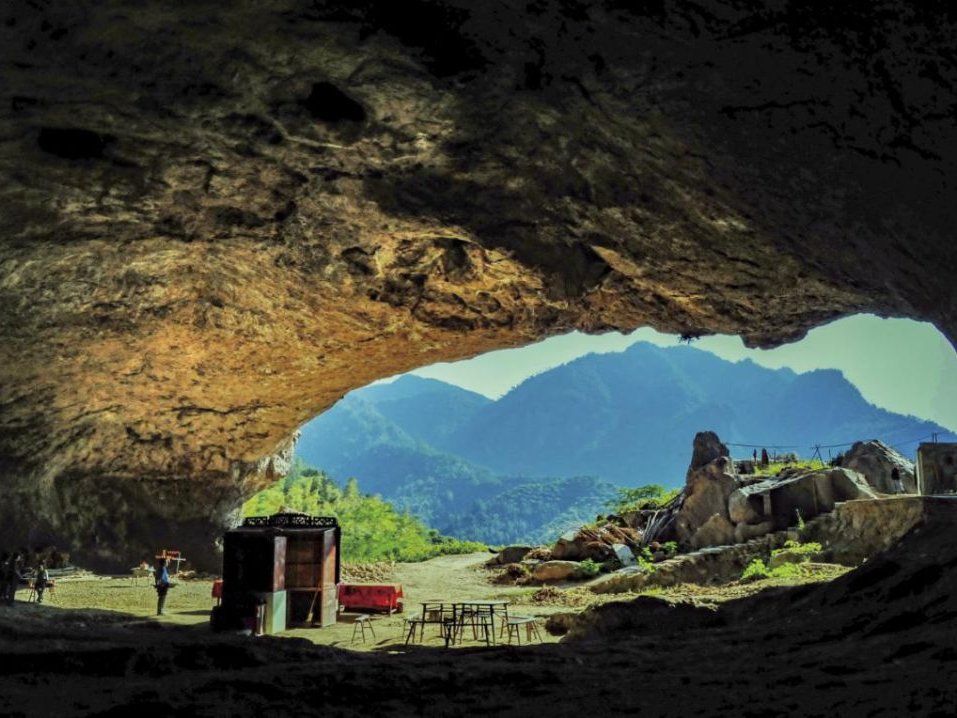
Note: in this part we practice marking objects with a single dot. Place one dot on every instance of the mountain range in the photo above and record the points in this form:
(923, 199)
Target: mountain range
(550, 453)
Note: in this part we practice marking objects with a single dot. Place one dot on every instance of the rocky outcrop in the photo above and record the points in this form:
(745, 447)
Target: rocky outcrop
(718, 507)
(703, 518)
(797, 496)
(858, 530)
(598, 544)
(554, 570)
(707, 447)
(709, 566)
(879, 464)
(217, 221)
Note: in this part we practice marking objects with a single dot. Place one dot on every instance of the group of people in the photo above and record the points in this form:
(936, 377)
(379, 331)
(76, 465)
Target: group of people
(12, 576)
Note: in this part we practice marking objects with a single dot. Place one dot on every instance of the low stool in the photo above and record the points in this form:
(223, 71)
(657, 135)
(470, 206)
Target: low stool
(362, 621)
(530, 623)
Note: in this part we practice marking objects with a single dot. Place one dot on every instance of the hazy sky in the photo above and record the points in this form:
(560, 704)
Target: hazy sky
(904, 366)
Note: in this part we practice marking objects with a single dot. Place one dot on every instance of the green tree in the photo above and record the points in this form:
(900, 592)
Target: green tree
(373, 529)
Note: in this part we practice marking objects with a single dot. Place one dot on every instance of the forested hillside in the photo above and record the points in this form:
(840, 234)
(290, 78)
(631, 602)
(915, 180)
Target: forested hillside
(475, 467)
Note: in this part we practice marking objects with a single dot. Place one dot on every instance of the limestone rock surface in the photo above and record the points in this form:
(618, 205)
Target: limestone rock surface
(877, 462)
(804, 493)
(708, 488)
(216, 219)
(554, 570)
(716, 531)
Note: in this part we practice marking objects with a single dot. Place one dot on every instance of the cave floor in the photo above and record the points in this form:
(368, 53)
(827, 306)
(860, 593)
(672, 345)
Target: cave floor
(879, 641)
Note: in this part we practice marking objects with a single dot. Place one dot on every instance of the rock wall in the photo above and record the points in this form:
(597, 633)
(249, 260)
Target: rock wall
(858, 530)
(853, 533)
(706, 567)
(217, 219)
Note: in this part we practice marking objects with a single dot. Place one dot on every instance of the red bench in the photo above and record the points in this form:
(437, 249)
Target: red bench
(371, 596)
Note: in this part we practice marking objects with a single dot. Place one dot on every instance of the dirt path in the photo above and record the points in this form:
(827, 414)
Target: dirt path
(446, 578)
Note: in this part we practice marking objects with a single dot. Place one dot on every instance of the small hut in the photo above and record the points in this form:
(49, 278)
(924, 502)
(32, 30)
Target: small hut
(280, 571)
(937, 469)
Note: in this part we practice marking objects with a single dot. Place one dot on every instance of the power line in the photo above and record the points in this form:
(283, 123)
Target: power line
(763, 446)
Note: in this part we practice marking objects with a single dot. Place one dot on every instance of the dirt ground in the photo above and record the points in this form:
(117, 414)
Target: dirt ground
(447, 579)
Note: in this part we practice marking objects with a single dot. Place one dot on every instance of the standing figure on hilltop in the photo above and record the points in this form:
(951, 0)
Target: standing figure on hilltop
(161, 578)
(765, 460)
(754, 456)
(41, 581)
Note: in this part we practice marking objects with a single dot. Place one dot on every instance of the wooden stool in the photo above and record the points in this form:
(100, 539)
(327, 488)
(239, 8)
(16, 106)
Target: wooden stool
(362, 620)
(50, 591)
(515, 624)
(413, 623)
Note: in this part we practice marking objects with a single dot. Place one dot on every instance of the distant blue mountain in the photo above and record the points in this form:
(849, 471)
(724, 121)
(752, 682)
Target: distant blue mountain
(630, 417)
(607, 419)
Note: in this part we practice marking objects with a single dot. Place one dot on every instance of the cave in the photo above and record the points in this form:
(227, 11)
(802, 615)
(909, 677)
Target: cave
(219, 220)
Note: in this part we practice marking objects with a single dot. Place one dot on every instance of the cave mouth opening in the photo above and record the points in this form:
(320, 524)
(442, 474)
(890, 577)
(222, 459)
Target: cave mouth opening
(573, 415)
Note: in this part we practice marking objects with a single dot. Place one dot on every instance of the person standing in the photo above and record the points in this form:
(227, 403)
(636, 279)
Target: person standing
(896, 481)
(41, 581)
(4, 576)
(13, 575)
(161, 578)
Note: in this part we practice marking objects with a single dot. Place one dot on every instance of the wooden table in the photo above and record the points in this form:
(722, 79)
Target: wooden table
(497, 609)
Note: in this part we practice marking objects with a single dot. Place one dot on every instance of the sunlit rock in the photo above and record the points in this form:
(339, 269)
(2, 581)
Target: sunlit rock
(879, 464)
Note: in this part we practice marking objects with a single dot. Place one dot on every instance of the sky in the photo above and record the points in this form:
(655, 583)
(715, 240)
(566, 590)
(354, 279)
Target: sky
(898, 364)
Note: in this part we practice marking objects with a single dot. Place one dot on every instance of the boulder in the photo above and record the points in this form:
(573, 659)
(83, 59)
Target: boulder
(746, 532)
(554, 570)
(849, 485)
(716, 531)
(707, 447)
(745, 507)
(876, 461)
(624, 554)
(708, 487)
(808, 492)
(513, 554)
(594, 543)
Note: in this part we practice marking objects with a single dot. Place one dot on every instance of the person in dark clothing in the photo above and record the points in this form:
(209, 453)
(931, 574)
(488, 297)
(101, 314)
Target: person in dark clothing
(896, 479)
(4, 576)
(41, 581)
(161, 578)
(14, 575)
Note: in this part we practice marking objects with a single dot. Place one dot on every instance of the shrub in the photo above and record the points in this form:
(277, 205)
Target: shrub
(787, 570)
(755, 571)
(652, 496)
(670, 548)
(646, 559)
(587, 569)
(612, 564)
(802, 549)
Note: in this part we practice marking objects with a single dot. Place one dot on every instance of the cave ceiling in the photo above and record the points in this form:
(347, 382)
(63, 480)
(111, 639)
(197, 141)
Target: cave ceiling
(217, 218)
